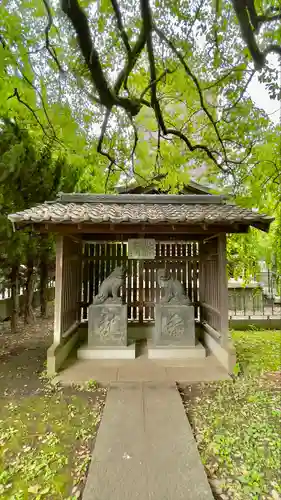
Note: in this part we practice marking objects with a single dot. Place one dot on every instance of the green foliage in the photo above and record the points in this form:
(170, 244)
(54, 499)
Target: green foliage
(258, 351)
(56, 107)
(236, 423)
(66, 104)
(258, 185)
(32, 172)
(46, 444)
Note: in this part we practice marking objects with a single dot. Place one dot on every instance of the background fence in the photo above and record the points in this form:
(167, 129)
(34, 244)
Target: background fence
(6, 301)
(244, 302)
(251, 305)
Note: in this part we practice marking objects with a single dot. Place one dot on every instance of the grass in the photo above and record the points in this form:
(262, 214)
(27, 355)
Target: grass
(237, 423)
(258, 350)
(45, 443)
(46, 432)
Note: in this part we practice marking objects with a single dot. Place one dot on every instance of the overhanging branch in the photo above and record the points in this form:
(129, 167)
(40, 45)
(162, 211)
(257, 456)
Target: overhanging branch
(147, 22)
(120, 25)
(194, 147)
(188, 71)
(16, 94)
(80, 24)
(49, 47)
(250, 23)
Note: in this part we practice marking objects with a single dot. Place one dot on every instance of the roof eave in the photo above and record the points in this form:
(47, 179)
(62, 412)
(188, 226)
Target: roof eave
(232, 227)
(262, 225)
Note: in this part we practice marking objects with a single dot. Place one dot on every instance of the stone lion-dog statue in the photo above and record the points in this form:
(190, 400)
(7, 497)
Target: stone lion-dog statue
(109, 288)
(173, 289)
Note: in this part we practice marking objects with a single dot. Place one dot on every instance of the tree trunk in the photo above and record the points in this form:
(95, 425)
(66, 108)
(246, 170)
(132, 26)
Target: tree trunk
(29, 290)
(43, 285)
(14, 276)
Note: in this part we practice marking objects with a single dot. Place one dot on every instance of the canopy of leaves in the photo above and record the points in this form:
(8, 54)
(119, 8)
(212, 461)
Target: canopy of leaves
(258, 185)
(122, 90)
(106, 66)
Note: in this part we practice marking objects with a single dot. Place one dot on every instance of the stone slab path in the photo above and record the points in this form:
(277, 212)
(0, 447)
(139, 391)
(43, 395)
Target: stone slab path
(145, 449)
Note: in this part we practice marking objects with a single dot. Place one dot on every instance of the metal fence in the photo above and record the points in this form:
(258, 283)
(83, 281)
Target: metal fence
(253, 305)
(243, 303)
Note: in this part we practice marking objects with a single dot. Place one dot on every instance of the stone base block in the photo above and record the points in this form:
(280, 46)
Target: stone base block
(107, 325)
(176, 352)
(107, 352)
(174, 325)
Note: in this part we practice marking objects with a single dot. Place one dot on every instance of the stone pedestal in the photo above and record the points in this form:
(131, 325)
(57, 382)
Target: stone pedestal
(107, 325)
(174, 334)
(174, 325)
(107, 333)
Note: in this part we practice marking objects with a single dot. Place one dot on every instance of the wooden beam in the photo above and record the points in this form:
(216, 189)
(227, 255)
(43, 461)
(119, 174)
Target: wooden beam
(209, 329)
(210, 308)
(163, 238)
(71, 329)
(107, 230)
(104, 258)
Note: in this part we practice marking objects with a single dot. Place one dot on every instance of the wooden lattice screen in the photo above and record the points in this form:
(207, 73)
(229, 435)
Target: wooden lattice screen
(141, 290)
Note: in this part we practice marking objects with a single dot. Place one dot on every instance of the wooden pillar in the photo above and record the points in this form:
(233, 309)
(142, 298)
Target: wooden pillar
(58, 290)
(223, 288)
(201, 279)
(78, 280)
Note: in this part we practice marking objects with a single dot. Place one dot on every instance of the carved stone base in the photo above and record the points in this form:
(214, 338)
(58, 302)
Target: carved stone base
(107, 325)
(174, 325)
(107, 352)
(174, 352)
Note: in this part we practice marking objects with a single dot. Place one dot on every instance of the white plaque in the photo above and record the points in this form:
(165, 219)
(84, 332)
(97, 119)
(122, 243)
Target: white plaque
(141, 248)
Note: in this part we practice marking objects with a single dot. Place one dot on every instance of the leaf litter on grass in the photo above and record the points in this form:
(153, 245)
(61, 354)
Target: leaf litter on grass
(46, 442)
(237, 423)
(46, 432)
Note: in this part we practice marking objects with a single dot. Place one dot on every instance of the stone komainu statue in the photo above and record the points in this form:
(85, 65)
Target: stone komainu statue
(110, 287)
(173, 290)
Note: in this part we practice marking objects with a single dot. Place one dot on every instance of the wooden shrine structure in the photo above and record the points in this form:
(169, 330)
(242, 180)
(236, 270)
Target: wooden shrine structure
(92, 235)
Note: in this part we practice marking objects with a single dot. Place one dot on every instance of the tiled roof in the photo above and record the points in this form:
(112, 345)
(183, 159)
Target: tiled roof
(166, 209)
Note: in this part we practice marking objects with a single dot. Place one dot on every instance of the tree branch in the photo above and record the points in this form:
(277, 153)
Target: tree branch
(165, 72)
(120, 25)
(158, 154)
(39, 94)
(132, 59)
(240, 7)
(80, 24)
(268, 19)
(2, 41)
(257, 20)
(103, 129)
(195, 147)
(16, 94)
(147, 22)
(136, 140)
(188, 71)
(49, 47)
(249, 23)
(273, 48)
(229, 108)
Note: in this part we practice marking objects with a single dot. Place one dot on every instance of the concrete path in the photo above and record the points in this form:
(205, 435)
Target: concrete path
(145, 449)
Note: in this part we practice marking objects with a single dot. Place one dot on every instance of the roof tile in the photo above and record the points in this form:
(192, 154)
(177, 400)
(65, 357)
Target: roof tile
(134, 213)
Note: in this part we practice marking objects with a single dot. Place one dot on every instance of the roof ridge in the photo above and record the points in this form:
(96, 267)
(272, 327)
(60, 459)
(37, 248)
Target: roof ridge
(140, 198)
